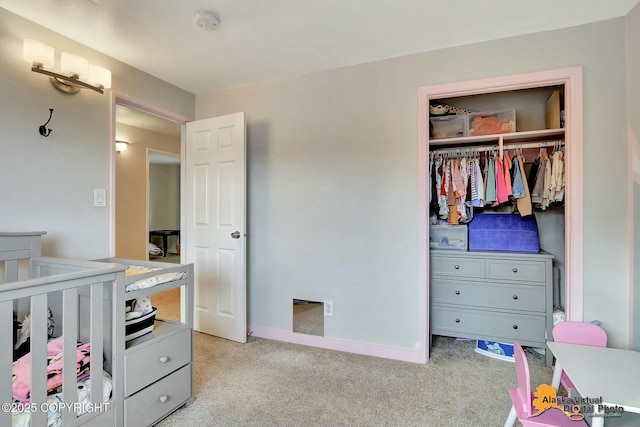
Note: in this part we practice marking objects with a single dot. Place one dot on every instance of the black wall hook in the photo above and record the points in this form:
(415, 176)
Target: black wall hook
(43, 129)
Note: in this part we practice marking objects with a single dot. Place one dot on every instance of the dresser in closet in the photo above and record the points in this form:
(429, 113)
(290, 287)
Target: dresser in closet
(503, 296)
(494, 296)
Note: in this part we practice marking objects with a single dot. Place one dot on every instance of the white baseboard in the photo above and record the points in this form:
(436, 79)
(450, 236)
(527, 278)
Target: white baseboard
(376, 350)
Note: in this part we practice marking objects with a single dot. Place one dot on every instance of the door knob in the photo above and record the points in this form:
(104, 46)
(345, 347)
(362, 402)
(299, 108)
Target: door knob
(235, 234)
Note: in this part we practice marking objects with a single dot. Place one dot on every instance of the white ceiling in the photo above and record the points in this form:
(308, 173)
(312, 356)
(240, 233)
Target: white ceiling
(267, 39)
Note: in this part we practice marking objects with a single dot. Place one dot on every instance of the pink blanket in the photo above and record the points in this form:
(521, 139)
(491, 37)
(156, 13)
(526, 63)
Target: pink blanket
(22, 369)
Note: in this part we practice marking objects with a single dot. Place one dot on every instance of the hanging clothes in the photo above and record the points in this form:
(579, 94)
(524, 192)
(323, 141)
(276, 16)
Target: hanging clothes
(533, 173)
(556, 189)
(524, 203)
(460, 183)
(443, 208)
(433, 193)
(501, 187)
(452, 193)
(490, 180)
(536, 182)
(506, 164)
(477, 186)
(546, 194)
(517, 186)
(462, 189)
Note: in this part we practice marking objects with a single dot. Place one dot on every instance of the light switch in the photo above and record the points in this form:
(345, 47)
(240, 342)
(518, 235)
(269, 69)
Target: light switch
(99, 198)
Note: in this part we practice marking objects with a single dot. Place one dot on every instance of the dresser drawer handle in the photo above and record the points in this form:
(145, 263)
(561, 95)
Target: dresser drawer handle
(515, 297)
(457, 267)
(457, 320)
(164, 359)
(515, 326)
(514, 269)
(457, 292)
(164, 398)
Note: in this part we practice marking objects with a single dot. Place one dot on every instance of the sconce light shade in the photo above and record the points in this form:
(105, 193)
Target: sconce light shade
(99, 76)
(38, 53)
(74, 65)
(121, 146)
(74, 69)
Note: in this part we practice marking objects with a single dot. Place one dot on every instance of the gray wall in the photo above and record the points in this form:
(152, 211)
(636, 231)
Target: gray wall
(164, 197)
(164, 202)
(333, 180)
(47, 183)
(633, 100)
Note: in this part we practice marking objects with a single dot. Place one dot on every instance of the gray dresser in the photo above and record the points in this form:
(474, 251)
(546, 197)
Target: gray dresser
(496, 296)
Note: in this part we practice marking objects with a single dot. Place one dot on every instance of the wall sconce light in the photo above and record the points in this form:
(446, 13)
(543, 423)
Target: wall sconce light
(74, 69)
(121, 146)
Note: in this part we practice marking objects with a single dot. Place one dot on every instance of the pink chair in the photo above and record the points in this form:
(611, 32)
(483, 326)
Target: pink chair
(522, 399)
(582, 333)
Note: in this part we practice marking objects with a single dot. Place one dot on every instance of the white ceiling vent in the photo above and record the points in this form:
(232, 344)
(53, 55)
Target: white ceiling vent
(208, 20)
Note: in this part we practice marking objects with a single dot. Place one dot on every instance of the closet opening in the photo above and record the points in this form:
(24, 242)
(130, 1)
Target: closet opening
(522, 125)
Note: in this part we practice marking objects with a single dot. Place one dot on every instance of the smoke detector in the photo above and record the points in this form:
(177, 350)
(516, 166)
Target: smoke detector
(208, 20)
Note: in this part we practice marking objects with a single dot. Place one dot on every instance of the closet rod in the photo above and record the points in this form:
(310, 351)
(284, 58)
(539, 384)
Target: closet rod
(465, 150)
(484, 148)
(540, 144)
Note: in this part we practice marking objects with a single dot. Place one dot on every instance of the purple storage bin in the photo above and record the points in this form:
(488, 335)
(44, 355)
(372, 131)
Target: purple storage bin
(504, 232)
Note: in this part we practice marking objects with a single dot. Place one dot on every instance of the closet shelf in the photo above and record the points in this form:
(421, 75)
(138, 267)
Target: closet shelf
(513, 137)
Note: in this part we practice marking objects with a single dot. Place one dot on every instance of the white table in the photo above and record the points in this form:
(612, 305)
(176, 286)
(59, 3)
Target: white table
(610, 373)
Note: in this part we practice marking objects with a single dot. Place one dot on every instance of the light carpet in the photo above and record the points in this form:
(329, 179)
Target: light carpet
(270, 383)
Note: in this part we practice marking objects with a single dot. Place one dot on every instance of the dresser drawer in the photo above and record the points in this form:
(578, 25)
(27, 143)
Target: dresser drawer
(458, 322)
(150, 363)
(457, 267)
(521, 270)
(490, 295)
(158, 400)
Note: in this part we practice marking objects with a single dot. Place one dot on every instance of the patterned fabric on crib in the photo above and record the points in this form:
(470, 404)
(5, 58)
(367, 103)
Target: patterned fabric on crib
(22, 369)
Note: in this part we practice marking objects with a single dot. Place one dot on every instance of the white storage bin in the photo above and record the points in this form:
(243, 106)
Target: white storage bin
(453, 126)
(491, 122)
(449, 237)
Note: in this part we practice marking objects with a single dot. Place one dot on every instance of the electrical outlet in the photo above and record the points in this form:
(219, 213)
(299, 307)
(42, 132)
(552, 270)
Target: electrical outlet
(328, 308)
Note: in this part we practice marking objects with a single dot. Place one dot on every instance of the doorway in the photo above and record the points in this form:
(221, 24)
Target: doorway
(145, 134)
(221, 136)
(145, 191)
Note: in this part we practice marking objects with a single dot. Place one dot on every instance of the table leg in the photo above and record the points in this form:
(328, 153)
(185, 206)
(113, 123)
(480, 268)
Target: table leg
(164, 244)
(511, 419)
(597, 421)
(557, 373)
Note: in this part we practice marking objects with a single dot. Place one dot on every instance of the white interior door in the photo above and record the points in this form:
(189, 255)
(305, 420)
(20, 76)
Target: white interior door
(215, 223)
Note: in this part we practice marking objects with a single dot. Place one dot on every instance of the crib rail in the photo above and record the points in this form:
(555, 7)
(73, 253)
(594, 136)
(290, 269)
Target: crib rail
(83, 290)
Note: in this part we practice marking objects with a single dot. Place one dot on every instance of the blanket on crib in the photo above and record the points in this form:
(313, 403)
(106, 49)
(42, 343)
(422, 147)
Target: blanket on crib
(22, 369)
(151, 281)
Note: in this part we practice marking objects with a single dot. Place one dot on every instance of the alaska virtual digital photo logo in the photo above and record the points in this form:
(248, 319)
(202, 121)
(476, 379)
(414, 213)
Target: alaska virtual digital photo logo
(575, 408)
